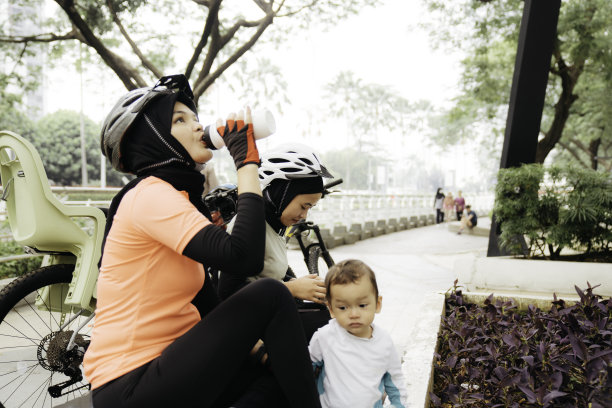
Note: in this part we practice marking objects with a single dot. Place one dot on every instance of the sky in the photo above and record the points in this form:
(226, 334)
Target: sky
(380, 46)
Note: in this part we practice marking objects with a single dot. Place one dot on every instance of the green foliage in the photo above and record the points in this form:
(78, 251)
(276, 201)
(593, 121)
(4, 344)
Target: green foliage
(487, 31)
(554, 208)
(59, 146)
(19, 267)
(17, 122)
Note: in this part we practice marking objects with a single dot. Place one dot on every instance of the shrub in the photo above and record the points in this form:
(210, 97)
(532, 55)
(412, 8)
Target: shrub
(19, 267)
(496, 356)
(544, 210)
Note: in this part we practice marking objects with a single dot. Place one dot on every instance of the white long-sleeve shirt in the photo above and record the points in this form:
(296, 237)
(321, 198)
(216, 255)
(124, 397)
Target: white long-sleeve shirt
(355, 372)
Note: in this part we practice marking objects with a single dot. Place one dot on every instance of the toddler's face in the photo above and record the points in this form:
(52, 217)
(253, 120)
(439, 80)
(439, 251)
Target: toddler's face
(354, 305)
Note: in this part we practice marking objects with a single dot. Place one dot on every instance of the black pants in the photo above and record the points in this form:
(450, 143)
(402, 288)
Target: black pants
(439, 215)
(208, 365)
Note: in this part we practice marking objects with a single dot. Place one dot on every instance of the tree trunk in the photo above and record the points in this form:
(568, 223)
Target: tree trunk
(569, 77)
(593, 149)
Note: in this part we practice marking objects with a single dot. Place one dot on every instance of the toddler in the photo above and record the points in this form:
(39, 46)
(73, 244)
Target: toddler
(357, 360)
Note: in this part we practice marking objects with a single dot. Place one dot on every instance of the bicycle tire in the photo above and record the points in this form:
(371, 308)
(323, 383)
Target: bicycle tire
(31, 355)
(317, 263)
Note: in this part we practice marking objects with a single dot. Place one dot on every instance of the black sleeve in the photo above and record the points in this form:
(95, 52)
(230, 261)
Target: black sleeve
(241, 252)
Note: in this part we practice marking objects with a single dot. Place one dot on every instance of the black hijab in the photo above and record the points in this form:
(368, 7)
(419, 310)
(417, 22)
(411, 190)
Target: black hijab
(149, 149)
(281, 192)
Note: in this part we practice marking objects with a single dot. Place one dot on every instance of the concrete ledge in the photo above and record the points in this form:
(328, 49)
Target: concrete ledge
(478, 230)
(522, 299)
(526, 277)
(348, 237)
(417, 345)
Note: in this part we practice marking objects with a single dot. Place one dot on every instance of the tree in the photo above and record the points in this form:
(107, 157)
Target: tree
(139, 40)
(580, 70)
(59, 146)
(361, 167)
(371, 112)
(15, 121)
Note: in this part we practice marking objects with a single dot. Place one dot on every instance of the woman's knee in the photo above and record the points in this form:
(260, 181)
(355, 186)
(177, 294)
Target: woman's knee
(272, 288)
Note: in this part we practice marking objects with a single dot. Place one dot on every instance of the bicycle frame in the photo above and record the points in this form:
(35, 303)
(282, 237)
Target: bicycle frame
(304, 226)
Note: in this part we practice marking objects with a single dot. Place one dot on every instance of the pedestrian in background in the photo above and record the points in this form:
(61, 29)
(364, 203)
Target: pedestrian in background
(449, 206)
(438, 205)
(459, 205)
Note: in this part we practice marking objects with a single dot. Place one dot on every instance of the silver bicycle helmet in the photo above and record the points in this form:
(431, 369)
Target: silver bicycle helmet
(128, 109)
(290, 161)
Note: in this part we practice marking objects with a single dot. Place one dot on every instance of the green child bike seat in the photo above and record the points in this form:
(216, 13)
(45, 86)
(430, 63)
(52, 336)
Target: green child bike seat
(40, 221)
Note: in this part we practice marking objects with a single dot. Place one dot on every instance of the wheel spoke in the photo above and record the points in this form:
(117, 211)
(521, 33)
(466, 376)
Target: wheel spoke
(24, 380)
(29, 371)
(23, 335)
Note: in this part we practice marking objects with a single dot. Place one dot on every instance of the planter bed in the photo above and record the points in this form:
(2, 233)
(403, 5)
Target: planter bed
(493, 353)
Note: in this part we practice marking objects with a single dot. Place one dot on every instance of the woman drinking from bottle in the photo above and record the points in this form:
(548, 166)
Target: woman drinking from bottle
(160, 339)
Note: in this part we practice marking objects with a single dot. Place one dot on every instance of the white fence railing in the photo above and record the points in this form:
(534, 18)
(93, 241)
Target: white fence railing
(350, 208)
(336, 209)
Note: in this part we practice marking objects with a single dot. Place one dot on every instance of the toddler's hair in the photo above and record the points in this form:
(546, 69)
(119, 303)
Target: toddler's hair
(348, 271)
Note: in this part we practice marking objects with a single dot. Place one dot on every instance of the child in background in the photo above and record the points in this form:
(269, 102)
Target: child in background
(469, 220)
(357, 360)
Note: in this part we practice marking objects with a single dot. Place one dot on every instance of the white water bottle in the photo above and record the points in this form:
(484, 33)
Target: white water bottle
(263, 126)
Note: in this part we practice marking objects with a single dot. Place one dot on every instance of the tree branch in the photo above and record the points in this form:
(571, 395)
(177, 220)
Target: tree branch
(205, 3)
(211, 20)
(145, 61)
(205, 82)
(40, 38)
(128, 75)
(569, 76)
(297, 11)
(573, 152)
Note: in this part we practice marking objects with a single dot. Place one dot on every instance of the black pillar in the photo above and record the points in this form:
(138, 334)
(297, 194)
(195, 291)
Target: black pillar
(533, 58)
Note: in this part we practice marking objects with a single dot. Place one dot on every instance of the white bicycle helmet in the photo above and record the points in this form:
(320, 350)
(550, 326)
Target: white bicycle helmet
(290, 161)
(129, 107)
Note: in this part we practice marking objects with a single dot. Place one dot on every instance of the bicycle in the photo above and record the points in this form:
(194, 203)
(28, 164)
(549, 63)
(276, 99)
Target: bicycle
(45, 315)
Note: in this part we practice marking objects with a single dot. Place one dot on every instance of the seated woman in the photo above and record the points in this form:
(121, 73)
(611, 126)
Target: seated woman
(159, 337)
(291, 178)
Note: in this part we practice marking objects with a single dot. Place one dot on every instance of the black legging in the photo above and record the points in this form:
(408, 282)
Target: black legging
(439, 216)
(208, 365)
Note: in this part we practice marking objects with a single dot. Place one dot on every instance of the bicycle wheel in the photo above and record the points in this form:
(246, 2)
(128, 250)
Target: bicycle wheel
(317, 264)
(35, 368)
